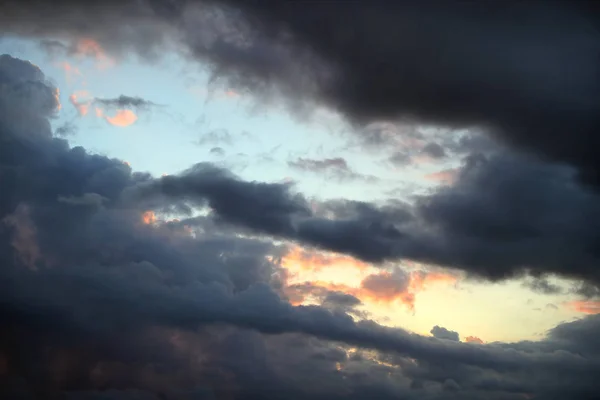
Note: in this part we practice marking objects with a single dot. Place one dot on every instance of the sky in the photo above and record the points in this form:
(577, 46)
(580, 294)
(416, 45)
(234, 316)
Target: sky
(286, 200)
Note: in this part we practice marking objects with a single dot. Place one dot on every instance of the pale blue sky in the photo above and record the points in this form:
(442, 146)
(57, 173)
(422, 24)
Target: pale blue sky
(164, 139)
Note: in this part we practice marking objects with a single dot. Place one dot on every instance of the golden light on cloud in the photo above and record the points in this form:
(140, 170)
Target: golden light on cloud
(82, 101)
(447, 176)
(149, 217)
(420, 279)
(57, 98)
(299, 258)
(312, 274)
(585, 306)
(93, 49)
(122, 118)
(473, 339)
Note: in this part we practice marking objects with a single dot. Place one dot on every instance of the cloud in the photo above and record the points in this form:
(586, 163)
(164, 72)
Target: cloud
(506, 215)
(542, 285)
(440, 332)
(397, 286)
(216, 136)
(473, 339)
(586, 306)
(122, 118)
(119, 308)
(71, 72)
(120, 106)
(335, 168)
(79, 48)
(125, 101)
(434, 150)
(447, 176)
(82, 102)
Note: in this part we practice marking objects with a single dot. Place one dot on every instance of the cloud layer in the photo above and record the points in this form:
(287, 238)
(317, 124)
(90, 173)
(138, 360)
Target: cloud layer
(104, 295)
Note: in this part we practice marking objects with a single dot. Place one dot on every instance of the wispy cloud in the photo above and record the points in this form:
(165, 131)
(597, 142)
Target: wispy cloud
(336, 168)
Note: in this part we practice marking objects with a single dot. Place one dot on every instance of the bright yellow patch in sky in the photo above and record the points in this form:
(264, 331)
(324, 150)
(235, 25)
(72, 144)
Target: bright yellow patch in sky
(418, 297)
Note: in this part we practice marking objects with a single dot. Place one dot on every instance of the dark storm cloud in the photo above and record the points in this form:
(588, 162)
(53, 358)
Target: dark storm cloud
(507, 214)
(113, 308)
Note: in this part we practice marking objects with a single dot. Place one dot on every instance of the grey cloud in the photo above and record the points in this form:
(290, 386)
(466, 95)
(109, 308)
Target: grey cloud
(434, 150)
(124, 101)
(333, 168)
(341, 299)
(507, 214)
(217, 151)
(216, 136)
(440, 332)
(542, 285)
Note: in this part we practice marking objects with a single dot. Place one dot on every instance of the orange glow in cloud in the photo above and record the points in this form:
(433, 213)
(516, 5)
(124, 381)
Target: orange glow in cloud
(91, 48)
(586, 306)
(378, 288)
(311, 274)
(122, 118)
(386, 287)
(231, 93)
(419, 280)
(447, 176)
(316, 261)
(473, 339)
(81, 101)
(148, 217)
(57, 98)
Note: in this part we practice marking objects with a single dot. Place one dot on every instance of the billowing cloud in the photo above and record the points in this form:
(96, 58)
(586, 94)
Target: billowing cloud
(457, 226)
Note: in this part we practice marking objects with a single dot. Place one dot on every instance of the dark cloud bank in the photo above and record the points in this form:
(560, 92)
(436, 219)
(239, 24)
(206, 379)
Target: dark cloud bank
(95, 304)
